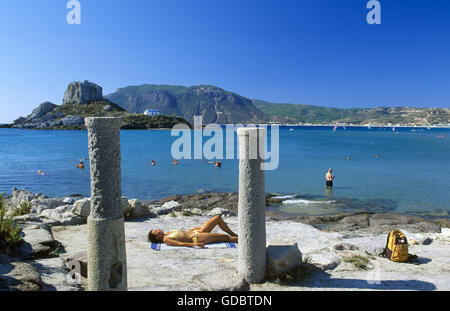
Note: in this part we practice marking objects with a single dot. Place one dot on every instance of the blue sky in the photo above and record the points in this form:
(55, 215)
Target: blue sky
(317, 52)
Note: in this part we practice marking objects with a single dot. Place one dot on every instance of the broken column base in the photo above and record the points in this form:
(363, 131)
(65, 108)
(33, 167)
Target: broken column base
(106, 260)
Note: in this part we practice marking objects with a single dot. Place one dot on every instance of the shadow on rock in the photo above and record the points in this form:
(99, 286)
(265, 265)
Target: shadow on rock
(322, 279)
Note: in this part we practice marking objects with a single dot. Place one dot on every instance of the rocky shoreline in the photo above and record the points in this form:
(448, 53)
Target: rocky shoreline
(54, 228)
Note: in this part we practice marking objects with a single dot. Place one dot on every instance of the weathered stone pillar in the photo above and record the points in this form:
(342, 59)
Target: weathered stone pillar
(107, 267)
(251, 208)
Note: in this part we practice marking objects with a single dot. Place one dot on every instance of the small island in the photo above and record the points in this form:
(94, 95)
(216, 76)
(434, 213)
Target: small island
(82, 100)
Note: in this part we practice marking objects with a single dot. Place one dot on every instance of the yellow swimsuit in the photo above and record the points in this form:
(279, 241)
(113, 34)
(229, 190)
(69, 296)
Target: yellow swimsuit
(194, 238)
(174, 236)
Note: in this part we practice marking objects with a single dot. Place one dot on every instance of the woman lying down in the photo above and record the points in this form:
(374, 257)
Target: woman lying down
(198, 236)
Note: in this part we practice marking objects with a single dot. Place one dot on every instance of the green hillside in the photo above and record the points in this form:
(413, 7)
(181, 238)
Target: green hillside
(291, 113)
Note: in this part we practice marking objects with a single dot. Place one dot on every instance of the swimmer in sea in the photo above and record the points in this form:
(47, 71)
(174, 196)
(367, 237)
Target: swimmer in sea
(40, 172)
(153, 162)
(218, 164)
(329, 178)
(348, 158)
(175, 162)
(80, 165)
(198, 236)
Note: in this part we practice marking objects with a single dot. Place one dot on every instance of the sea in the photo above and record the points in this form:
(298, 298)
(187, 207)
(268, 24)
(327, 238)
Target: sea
(410, 175)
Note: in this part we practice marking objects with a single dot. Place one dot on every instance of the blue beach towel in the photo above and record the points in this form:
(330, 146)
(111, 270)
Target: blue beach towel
(163, 246)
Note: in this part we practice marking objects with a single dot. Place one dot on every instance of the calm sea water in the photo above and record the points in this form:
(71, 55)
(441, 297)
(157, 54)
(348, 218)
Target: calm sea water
(411, 175)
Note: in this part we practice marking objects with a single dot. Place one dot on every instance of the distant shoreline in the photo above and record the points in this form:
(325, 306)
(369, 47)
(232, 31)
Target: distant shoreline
(265, 124)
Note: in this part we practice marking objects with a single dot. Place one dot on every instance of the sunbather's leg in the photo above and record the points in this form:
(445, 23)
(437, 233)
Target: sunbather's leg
(209, 238)
(213, 222)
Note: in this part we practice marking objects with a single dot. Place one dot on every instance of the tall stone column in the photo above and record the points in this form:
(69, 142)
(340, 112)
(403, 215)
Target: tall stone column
(107, 267)
(251, 208)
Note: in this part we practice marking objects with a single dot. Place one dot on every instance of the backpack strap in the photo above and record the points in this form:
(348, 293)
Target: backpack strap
(383, 254)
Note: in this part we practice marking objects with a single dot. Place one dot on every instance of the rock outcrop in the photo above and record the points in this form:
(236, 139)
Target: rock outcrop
(82, 93)
(40, 111)
(38, 117)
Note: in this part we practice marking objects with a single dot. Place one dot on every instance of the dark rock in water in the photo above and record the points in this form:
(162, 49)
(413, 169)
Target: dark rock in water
(353, 222)
(82, 92)
(176, 198)
(372, 223)
(382, 223)
(209, 201)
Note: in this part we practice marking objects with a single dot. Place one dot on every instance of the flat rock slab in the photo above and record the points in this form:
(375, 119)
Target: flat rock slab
(38, 242)
(176, 269)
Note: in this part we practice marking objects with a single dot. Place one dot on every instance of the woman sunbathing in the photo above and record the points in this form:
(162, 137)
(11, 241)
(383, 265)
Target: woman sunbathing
(198, 236)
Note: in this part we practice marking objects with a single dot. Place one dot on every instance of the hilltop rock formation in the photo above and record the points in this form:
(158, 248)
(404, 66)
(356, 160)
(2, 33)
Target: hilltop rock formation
(82, 93)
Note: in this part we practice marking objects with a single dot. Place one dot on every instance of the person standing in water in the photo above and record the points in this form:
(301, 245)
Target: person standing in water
(329, 178)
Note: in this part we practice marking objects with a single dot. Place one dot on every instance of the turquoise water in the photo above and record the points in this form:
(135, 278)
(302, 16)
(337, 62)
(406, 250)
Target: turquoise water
(412, 174)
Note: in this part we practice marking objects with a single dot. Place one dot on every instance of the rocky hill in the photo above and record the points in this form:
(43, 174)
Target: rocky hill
(219, 106)
(82, 100)
(405, 116)
(215, 105)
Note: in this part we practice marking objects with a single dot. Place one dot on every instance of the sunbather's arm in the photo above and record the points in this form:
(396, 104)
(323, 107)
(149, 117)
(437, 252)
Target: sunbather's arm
(171, 242)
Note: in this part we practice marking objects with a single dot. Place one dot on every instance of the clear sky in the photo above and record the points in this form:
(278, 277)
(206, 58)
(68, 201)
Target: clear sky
(317, 52)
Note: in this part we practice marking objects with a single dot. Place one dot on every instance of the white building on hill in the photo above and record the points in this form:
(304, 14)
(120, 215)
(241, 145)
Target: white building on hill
(152, 112)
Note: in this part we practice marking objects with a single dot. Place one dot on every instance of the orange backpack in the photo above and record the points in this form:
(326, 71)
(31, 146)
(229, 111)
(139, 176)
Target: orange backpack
(396, 246)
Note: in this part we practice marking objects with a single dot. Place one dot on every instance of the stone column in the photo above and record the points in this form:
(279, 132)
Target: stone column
(251, 208)
(107, 267)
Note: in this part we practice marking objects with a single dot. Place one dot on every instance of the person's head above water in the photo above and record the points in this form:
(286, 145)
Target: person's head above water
(155, 236)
